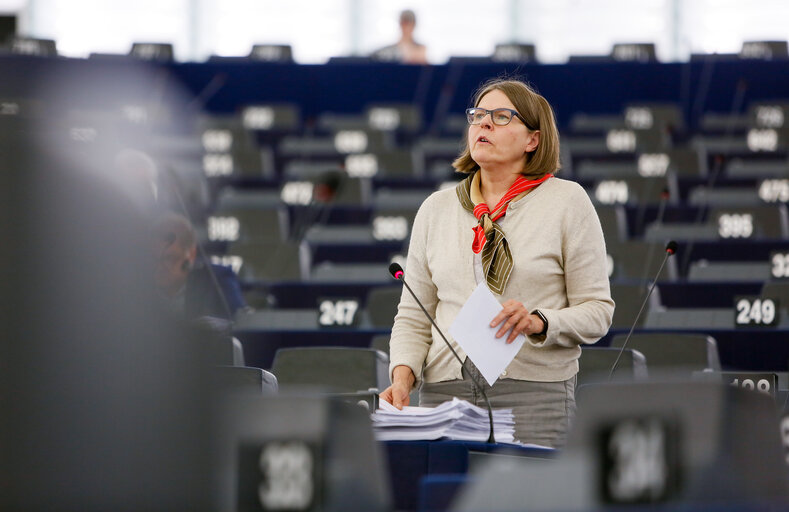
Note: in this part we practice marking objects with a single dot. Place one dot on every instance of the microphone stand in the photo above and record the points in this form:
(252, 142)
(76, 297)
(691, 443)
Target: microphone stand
(397, 272)
(671, 248)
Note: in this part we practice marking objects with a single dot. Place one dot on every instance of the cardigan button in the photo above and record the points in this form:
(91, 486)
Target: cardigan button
(504, 373)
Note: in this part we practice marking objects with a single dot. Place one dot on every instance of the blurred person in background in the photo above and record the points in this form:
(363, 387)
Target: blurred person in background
(406, 50)
(535, 240)
(187, 284)
(155, 187)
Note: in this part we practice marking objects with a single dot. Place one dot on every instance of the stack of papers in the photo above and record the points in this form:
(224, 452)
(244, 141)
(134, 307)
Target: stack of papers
(458, 420)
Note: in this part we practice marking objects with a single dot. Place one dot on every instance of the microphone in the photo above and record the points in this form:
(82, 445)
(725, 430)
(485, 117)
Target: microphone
(671, 249)
(397, 272)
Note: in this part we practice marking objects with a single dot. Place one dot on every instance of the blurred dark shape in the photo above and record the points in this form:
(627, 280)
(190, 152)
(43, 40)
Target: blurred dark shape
(336, 369)
(764, 50)
(271, 53)
(23, 45)
(514, 52)
(8, 24)
(676, 444)
(160, 52)
(326, 186)
(300, 452)
(102, 396)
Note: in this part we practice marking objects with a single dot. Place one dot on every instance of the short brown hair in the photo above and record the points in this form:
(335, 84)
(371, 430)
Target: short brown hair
(537, 112)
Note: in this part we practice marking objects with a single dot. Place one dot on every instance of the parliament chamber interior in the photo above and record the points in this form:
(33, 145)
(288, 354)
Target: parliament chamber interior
(305, 181)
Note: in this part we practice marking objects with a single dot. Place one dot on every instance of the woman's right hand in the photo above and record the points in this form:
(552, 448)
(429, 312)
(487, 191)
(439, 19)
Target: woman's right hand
(398, 393)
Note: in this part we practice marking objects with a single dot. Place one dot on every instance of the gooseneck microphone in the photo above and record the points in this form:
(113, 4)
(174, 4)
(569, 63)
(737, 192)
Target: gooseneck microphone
(671, 249)
(397, 272)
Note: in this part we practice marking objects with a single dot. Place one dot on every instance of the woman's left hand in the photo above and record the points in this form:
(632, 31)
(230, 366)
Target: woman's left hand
(517, 320)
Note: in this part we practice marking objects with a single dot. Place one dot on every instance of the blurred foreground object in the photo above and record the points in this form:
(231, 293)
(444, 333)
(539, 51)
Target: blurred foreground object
(649, 443)
(103, 400)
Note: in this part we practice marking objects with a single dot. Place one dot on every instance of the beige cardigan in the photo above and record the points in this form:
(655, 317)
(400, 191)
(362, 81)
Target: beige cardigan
(560, 268)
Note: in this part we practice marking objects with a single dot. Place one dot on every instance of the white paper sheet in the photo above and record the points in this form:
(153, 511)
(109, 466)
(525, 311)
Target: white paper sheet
(453, 419)
(471, 329)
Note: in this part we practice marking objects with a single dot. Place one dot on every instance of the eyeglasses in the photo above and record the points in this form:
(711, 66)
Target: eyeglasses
(499, 116)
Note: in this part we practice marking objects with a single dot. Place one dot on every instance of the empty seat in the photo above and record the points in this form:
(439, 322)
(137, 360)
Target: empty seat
(641, 260)
(245, 379)
(223, 350)
(685, 161)
(454, 124)
(628, 299)
(381, 342)
(351, 191)
(777, 290)
(336, 369)
(634, 191)
(382, 305)
(614, 223)
(266, 261)
(666, 117)
(398, 117)
(275, 117)
(388, 164)
(439, 147)
(249, 225)
(674, 353)
(224, 134)
(596, 363)
(387, 199)
(757, 222)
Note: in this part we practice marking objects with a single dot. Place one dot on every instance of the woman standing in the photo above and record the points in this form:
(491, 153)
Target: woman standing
(535, 240)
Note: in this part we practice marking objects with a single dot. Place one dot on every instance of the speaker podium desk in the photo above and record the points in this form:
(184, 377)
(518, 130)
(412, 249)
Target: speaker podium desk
(445, 462)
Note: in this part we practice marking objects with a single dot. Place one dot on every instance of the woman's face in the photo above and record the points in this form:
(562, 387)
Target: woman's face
(496, 147)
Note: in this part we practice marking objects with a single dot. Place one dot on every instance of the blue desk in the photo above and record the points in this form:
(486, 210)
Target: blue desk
(410, 461)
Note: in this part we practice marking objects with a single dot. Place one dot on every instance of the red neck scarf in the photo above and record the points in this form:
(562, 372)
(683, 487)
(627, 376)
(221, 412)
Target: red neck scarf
(481, 209)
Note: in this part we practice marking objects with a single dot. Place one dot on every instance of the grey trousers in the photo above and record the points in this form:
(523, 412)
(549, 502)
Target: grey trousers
(543, 410)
